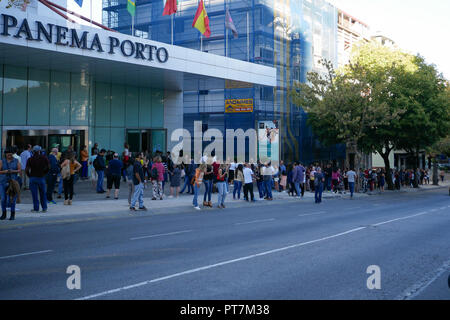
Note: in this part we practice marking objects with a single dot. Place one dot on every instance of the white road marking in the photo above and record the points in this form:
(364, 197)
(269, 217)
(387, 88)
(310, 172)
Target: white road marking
(265, 253)
(311, 214)
(419, 287)
(402, 218)
(25, 254)
(217, 265)
(255, 221)
(161, 235)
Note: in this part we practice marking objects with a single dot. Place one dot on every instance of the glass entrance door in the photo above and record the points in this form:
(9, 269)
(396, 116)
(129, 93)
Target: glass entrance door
(64, 141)
(147, 140)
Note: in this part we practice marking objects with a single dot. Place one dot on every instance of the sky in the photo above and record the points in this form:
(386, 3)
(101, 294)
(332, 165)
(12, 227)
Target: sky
(417, 26)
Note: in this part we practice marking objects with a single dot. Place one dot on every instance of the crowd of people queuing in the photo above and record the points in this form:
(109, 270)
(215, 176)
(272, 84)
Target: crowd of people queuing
(41, 173)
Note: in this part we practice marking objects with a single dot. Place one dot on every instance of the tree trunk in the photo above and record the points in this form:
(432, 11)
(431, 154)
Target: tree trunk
(435, 172)
(387, 168)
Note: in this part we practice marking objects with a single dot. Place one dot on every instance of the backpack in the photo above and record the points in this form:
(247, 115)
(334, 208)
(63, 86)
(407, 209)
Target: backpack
(95, 164)
(317, 181)
(154, 174)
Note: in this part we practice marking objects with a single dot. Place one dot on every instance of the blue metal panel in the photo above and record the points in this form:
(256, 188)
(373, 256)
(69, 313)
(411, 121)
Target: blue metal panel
(285, 39)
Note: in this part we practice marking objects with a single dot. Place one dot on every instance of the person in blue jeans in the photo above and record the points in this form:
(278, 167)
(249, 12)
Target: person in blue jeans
(9, 170)
(351, 176)
(138, 181)
(100, 166)
(319, 180)
(37, 168)
(238, 180)
(189, 172)
(198, 179)
(208, 181)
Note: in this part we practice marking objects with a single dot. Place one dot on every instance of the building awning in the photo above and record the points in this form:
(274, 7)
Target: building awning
(56, 44)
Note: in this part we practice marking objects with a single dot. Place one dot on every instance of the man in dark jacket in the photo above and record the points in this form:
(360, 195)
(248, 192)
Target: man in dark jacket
(100, 166)
(36, 169)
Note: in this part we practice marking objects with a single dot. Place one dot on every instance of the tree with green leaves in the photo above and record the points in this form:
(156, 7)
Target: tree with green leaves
(342, 106)
(383, 100)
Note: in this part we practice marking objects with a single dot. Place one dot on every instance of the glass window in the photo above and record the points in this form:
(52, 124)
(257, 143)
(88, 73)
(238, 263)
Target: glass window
(38, 97)
(15, 96)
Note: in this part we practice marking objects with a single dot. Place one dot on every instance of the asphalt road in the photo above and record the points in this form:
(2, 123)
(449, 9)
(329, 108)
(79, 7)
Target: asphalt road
(292, 250)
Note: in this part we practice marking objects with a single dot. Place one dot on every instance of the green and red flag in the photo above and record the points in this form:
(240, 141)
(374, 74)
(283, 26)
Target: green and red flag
(170, 7)
(201, 20)
(131, 7)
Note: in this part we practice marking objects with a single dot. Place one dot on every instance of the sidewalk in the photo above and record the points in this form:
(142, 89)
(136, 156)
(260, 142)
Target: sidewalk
(87, 201)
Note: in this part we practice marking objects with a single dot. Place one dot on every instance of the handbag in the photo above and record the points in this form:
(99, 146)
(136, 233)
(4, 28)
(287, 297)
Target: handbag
(65, 172)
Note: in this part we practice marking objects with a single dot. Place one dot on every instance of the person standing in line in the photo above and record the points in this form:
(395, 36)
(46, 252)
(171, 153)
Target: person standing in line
(24, 156)
(382, 180)
(175, 181)
(138, 180)
(335, 180)
(312, 175)
(222, 174)
(125, 157)
(297, 178)
(238, 180)
(94, 150)
(52, 175)
(92, 172)
(157, 177)
(283, 177)
(114, 176)
(232, 171)
(72, 166)
(249, 176)
(208, 181)
(302, 185)
(198, 180)
(260, 181)
(130, 173)
(189, 172)
(268, 173)
(351, 177)
(318, 185)
(84, 157)
(36, 169)
(165, 173)
(9, 170)
(100, 166)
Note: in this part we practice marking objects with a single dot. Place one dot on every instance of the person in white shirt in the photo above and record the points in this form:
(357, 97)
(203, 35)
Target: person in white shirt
(232, 172)
(351, 176)
(24, 156)
(268, 172)
(248, 183)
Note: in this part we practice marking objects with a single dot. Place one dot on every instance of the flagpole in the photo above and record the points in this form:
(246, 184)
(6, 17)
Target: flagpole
(132, 26)
(201, 42)
(91, 12)
(226, 30)
(171, 29)
(248, 40)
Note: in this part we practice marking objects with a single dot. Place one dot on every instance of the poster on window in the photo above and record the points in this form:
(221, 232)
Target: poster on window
(268, 141)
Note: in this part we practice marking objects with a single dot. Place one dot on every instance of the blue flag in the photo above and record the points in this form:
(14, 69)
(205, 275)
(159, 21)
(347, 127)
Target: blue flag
(79, 2)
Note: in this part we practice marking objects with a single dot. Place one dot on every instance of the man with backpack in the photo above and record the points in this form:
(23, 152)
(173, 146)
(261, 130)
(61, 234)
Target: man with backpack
(100, 166)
